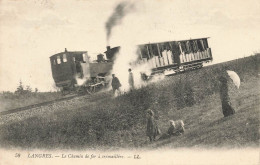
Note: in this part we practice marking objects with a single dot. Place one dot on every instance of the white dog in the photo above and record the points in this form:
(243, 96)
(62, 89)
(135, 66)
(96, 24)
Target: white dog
(176, 127)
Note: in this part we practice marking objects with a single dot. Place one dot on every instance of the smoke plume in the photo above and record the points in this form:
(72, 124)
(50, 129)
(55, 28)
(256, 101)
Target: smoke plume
(119, 13)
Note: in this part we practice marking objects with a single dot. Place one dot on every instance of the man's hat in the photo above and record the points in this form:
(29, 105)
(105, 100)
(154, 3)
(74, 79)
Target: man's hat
(150, 112)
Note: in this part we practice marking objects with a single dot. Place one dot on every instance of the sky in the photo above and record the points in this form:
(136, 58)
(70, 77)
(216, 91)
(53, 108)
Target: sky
(33, 30)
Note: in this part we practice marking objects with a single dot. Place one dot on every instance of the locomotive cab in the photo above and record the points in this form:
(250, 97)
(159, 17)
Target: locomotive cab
(72, 69)
(65, 66)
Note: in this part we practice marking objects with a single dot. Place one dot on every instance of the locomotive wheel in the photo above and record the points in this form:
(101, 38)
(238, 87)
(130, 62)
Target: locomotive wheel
(89, 90)
(65, 91)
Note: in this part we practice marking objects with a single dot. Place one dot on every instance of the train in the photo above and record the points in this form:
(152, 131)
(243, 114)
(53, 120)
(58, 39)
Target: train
(69, 68)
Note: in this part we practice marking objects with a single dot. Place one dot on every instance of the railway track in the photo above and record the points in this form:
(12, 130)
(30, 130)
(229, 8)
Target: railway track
(36, 105)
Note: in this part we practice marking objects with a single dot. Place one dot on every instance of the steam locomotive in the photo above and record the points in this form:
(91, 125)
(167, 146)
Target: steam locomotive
(71, 67)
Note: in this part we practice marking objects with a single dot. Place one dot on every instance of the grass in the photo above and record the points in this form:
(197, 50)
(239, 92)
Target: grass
(11, 100)
(111, 123)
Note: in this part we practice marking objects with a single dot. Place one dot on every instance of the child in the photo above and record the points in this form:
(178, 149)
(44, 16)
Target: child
(152, 128)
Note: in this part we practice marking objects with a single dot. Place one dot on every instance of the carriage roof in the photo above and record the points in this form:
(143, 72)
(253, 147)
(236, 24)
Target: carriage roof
(70, 53)
(191, 39)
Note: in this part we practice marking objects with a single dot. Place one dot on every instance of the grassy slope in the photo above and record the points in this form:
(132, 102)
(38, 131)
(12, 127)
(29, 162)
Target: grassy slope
(10, 100)
(118, 123)
(206, 126)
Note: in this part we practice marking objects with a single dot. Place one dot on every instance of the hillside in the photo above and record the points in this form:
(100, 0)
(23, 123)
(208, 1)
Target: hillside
(104, 122)
(10, 100)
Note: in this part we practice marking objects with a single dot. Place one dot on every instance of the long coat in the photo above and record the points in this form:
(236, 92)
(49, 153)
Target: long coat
(115, 83)
(131, 80)
(152, 127)
(225, 100)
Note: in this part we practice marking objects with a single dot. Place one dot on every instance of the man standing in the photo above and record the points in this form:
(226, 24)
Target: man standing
(131, 79)
(115, 83)
(225, 100)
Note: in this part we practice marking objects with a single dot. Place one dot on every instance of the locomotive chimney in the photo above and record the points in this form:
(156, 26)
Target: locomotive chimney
(108, 53)
(65, 49)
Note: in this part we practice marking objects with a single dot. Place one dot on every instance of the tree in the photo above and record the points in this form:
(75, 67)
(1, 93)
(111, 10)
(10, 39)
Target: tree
(28, 88)
(20, 89)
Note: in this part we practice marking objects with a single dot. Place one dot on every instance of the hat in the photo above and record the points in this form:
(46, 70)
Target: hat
(150, 112)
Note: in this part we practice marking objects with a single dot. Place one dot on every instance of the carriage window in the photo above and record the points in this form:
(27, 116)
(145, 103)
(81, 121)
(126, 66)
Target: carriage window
(167, 46)
(143, 51)
(85, 57)
(164, 46)
(195, 46)
(154, 49)
(58, 60)
(188, 46)
(205, 43)
(64, 58)
(148, 51)
(161, 47)
(175, 48)
(200, 45)
(183, 47)
(54, 62)
(192, 46)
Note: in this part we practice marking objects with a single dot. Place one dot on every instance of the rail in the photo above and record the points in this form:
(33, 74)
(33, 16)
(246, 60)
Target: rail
(36, 105)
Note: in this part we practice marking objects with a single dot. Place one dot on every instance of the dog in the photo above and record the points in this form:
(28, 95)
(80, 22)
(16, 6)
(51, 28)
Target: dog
(176, 127)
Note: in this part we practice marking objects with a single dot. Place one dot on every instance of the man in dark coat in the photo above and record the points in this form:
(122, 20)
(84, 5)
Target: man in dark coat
(225, 100)
(115, 83)
(152, 129)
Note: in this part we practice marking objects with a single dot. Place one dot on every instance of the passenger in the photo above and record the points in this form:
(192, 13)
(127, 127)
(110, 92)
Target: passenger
(225, 100)
(131, 79)
(144, 77)
(152, 129)
(97, 80)
(79, 69)
(115, 84)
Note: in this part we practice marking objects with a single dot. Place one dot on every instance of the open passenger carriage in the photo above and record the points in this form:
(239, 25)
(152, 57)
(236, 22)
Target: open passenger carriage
(177, 56)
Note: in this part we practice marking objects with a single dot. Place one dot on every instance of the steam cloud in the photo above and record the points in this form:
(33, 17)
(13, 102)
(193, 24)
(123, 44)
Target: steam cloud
(120, 11)
(127, 58)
